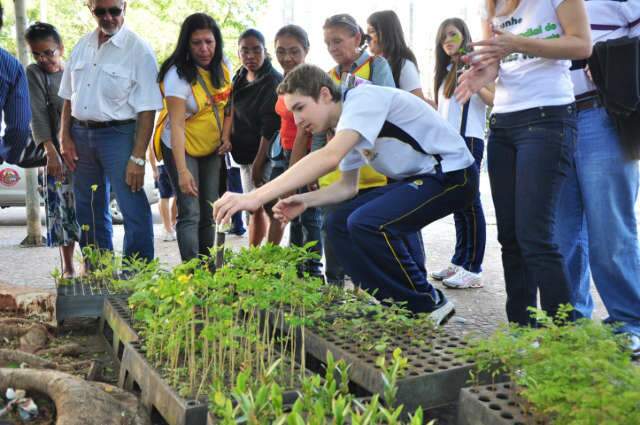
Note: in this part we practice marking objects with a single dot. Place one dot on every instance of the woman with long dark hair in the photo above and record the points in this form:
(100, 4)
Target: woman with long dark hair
(386, 39)
(44, 78)
(528, 45)
(255, 122)
(452, 40)
(190, 131)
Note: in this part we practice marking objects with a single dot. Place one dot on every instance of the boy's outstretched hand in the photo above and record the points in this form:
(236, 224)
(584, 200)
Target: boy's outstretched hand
(289, 208)
(230, 203)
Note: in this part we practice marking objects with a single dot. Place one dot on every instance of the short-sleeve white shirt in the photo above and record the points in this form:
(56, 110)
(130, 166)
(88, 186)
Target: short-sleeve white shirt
(451, 111)
(409, 77)
(525, 81)
(400, 134)
(114, 81)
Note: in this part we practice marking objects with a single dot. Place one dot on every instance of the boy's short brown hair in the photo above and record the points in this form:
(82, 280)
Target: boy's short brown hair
(308, 80)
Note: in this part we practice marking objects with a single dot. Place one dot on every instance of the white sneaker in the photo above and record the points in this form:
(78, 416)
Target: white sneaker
(168, 236)
(445, 273)
(463, 279)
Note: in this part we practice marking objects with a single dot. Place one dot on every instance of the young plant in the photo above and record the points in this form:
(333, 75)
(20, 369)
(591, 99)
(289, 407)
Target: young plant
(569, 373)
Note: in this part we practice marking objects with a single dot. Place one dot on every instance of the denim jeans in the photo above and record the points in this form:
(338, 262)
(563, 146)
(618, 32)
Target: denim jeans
(305, 229)
(529, 155)
(234, 184)
(471, 229)
(333, 270)
(103, 156)
(195, 227)
(596, 223)
(369, 233)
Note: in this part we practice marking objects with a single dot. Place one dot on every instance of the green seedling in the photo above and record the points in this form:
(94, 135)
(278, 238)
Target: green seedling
(567, 373)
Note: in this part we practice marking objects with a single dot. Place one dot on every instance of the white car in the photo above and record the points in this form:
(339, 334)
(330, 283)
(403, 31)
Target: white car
(13, 189)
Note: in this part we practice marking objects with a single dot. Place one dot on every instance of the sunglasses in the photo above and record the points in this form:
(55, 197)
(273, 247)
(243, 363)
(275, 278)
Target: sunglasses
(102, 11)
(45, 54)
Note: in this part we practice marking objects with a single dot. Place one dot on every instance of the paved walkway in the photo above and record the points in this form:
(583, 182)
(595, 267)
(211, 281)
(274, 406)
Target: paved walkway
(477, 310)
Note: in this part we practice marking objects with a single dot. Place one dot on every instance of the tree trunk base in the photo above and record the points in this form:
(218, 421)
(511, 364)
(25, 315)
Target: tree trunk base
(33, 241)
(78, 402)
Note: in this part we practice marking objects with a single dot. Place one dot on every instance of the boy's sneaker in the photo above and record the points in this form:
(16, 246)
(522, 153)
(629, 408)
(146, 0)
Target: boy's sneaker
(168, 236)
(463, 279)
(444, 310)
(445, 273)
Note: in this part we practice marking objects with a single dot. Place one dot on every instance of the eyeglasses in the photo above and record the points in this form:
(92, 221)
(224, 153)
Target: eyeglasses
(99, 12)
(45, 54)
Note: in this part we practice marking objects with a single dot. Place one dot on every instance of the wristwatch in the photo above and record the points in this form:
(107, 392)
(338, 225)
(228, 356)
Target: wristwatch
(137, 161)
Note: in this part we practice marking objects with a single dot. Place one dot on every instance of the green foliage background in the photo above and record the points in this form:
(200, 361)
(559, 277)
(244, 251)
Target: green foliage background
(157, 21)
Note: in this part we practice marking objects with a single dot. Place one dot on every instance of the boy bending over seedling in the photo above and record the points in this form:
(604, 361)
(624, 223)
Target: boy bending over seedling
(400, 136)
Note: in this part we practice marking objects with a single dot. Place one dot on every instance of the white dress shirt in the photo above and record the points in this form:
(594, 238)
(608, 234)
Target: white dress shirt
(114, 81)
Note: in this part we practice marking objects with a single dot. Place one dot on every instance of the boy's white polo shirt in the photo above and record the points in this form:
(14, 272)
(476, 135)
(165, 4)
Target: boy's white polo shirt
(400, 134)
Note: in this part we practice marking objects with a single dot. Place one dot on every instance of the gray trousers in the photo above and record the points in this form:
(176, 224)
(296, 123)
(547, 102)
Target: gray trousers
(195, 226)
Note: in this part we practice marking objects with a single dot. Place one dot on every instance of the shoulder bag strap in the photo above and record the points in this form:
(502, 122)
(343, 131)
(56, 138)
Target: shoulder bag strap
(213, 106)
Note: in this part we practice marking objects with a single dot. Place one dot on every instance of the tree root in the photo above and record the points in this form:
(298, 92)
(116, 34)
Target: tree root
(78, 402)
(71, 349)
(33, 336)
(35, 362)
(20, 357)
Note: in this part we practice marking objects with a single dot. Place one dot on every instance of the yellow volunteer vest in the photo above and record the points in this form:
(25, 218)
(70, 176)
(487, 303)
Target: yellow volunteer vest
(202, 133)
(368, 176)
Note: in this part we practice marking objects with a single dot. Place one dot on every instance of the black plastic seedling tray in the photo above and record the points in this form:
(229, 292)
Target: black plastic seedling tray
(436, 371)
(80, 300)
(491, 405)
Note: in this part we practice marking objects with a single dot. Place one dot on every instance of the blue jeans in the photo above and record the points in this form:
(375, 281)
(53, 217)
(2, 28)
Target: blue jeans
(194, 225)
(235, 185)
(596, 223)
(305, 229)
(529, 156)
(103, 156)
(370, 233)
(471, 229)
(333, 270)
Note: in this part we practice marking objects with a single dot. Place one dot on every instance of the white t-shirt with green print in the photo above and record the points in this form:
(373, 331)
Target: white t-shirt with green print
(525, 81)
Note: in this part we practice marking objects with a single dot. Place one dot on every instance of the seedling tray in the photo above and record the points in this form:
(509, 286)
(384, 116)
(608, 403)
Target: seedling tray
(434, 376)
(115, 325)
(491, 405)
(80, 299)
(138, 376)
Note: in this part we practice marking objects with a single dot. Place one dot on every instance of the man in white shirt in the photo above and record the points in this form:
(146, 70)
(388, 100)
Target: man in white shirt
(596, 221)
(400, 136)
(110, 101)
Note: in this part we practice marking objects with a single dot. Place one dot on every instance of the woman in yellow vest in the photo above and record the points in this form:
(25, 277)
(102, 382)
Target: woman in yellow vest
(195, 82)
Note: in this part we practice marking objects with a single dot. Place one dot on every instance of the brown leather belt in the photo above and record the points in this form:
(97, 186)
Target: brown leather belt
(102, 124)
(587, 101)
